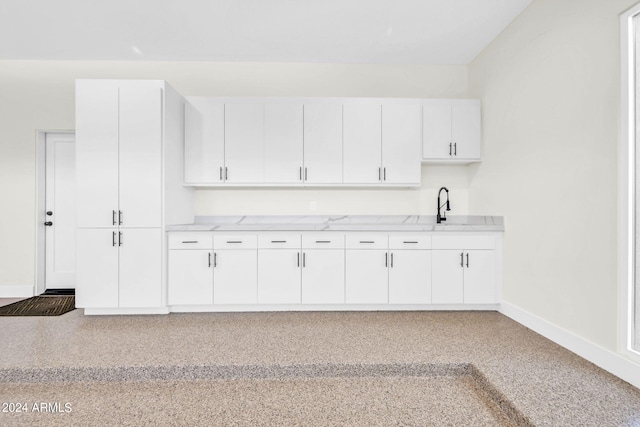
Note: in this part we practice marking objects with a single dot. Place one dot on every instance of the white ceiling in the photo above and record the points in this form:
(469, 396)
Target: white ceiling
(329, 31)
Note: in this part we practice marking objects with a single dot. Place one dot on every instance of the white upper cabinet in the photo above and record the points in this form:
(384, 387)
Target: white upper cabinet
(451, 130)
(362, 143)
(118, 155)
(283, 143)
(244, 142)
(204, 141)
(96, 155)
(401, 132)
(140, 156)
(323, 143)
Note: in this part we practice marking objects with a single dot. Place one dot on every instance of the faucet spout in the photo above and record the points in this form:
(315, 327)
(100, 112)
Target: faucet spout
(443, 217)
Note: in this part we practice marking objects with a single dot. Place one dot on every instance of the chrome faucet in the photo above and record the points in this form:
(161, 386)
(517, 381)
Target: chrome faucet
(443, 217)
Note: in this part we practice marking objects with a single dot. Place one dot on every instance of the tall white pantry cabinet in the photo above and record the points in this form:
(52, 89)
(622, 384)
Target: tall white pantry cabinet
(129, 169)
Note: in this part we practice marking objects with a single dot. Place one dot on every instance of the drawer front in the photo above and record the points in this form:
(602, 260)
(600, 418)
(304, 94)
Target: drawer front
(410, 241)
(367, 241)
(190, 240)
(323, 241)
(463, 242)
(279, 241)
(235, 241)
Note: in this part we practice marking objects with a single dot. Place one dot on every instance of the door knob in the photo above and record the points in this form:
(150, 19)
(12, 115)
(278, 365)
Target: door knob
(48, 223)
(49, 213)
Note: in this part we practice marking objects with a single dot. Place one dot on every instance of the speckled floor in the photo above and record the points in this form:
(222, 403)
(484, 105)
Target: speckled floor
(169, 368)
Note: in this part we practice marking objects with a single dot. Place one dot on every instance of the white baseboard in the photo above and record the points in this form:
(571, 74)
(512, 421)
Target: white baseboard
(608, 360)
(16, 291)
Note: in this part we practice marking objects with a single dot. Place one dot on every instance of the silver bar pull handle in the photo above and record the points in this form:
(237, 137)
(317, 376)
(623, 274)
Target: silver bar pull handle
(367, 241)
(386, 259)
(278, 241)
(410, 241)
(455, 148)
(113, 217)
(215, 260)
(323, 241)
(467, 259)
(391, 259)
(189, 241)
(384, 170)
(226, 174)
(234, 241)
(220, 173)
(305, 173)
(209, 256)
(461, 259)
(300, 173)
(119, 238)
(298, 259)
(379, 174)
(304, 260)
(119, 217)
(450, 149)
(113, 238)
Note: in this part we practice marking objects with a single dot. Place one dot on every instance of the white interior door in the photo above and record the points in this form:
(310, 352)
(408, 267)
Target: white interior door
(60, 205)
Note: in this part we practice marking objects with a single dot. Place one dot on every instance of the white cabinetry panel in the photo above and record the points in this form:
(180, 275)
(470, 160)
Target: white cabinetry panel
(323, 276)
(235, 276)
(466, 129)
(96, 155)
(410, 277)
(362, 143)
(447, 277)
(190, 277)
(436, 125)
(244, 143)
(401, 137)
(323, 143)
(204, 141)
(366, 276)
(140, 273)
(279, 276)
(96, 267)
(140, 132)
(452, 130)
(480, 277)
(283, 143)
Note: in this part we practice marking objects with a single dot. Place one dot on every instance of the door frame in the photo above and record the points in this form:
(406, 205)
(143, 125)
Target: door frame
(40, 205)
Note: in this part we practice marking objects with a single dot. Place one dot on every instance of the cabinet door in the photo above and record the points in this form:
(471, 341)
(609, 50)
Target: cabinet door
(235, 277)
(96, 268)
(410, 277)
(366, 277)
(244, 143)
(140, 262)
(323, 276)
(283, 133)
(190, 277)
(362, 143)
(323, 143)
(96, 155)
(480, 277)
(279, 276)
(204, 141)
(401, 132)
(466, 129)
(436, 131)
(140, 156)
(447, 277)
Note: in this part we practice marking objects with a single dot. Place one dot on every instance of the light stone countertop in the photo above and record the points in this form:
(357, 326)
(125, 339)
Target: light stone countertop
(342, 223)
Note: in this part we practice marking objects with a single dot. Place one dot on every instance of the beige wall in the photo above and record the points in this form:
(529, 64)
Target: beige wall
(549, 85)
(40, 95)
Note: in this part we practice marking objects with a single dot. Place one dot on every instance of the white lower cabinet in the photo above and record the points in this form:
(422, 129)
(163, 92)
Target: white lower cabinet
(464, 270)
(119, 268)
(279, 276)
(410, 277)
(325, 268)
(190, 277)
(323, 276)
(366, 276)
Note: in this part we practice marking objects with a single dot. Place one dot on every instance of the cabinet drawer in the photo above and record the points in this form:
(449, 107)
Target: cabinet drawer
(190, 240)
(323, 241)
(463, 242)
(367, 241)
(235, 241)
(409, 241)
(278, 241)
